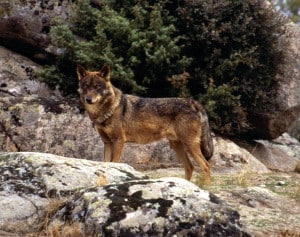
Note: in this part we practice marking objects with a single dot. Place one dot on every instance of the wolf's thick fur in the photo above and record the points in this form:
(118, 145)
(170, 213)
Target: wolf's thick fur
(120, 118)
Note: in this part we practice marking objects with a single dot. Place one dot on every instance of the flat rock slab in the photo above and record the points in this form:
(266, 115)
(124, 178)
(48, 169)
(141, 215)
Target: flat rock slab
(49, 175)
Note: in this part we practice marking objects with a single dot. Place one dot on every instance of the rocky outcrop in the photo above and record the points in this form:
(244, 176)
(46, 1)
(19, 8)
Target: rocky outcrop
(281, 154)
(104, 199)
(25, 26)
(231, 158)
(271, 123)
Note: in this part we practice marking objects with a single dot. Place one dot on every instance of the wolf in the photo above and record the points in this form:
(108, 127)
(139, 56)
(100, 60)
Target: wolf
(120, 118)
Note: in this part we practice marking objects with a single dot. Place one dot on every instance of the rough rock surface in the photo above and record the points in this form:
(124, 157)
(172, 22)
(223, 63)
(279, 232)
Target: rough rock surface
(281, 154)
(230, 158)
(105, 199)
(30, 180)
(163, 207)
(25, 26)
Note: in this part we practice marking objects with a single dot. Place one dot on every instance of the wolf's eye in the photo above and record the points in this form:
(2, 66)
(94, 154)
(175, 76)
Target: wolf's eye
(84, 86)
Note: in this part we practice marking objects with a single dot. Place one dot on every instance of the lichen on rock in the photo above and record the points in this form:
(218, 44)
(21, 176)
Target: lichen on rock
(162, 207)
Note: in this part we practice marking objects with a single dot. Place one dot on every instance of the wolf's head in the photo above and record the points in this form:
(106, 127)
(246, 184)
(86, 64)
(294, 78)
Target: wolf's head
(94, 87)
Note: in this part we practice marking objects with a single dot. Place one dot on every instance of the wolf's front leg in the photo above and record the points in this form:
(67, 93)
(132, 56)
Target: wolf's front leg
(107, 151)
(117, 148)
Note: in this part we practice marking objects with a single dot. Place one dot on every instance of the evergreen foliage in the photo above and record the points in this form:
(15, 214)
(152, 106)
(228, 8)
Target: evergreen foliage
(223, 53)
(235, 52)
(135, 39)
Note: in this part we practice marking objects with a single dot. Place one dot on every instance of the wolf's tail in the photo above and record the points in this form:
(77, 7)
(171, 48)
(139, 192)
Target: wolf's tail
(206, 145)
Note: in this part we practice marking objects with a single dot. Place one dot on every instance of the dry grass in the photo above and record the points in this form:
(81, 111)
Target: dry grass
(52, 207)
(58, 229)
(71, 230)
(224, 181)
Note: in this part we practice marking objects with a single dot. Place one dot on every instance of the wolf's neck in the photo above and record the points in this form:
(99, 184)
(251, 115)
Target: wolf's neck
(107, 109)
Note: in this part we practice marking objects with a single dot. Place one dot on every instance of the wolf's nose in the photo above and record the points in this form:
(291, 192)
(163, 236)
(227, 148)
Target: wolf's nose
(88, 100)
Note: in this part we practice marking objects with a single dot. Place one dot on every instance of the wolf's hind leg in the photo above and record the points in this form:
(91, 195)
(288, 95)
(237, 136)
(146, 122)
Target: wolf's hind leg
(193, 149)
(183, 158)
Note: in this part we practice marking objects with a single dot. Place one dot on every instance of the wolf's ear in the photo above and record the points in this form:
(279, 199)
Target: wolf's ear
(81, 72)
(105, 72)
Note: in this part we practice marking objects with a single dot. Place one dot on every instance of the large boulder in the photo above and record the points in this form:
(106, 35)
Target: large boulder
(25, 26)
(162, 207)
(104, 199)
(272, 123)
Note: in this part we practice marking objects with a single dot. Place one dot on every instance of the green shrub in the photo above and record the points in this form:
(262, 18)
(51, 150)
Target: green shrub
(53, 78)
(137, 41)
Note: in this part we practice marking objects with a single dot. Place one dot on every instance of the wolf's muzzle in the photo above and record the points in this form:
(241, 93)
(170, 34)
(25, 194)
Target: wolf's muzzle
(89, 100)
